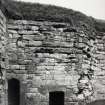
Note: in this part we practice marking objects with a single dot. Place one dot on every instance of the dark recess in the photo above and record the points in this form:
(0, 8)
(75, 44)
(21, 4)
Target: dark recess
(13, 92)
(56, 98)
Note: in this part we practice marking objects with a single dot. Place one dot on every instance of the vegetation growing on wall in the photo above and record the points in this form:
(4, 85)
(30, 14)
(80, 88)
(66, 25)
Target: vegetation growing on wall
(39, 12)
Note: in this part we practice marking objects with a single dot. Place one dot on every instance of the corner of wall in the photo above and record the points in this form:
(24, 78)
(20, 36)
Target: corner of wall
(3, 57)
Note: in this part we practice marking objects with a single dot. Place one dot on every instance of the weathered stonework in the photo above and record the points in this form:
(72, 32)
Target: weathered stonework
(3, 57)
(99, 66)
(50, 56)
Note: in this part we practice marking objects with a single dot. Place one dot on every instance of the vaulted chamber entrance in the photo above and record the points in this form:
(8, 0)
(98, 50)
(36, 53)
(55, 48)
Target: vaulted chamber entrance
(56, 98)
(13, 92)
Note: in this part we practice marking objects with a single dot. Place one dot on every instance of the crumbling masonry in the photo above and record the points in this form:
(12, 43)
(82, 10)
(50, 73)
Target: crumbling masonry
(44, 57)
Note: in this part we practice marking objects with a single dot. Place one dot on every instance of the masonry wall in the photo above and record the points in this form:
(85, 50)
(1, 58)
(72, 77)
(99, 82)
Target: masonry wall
(3, 58)
(50, 56)
(99, 74)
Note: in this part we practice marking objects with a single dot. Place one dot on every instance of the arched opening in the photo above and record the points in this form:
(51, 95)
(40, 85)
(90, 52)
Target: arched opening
(56, 98)
(13, 92)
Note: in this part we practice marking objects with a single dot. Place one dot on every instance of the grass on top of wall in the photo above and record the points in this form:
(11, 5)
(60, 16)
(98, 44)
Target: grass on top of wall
(41, 12)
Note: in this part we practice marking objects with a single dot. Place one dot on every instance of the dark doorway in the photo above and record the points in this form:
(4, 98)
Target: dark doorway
(13, 92)
(56, 98)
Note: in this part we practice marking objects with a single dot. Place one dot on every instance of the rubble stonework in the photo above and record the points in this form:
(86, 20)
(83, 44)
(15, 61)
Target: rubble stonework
(51, 56)
(3, 57)
(99, 66)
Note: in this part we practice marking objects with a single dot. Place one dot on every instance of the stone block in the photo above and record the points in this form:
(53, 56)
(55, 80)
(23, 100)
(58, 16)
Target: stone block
(33, 90)
(71, 103)
(25, 32)
(12, 31)
(34, 43)
(35, 28)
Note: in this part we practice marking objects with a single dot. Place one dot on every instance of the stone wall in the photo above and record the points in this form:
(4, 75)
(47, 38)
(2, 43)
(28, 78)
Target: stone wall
(49, 56)
(99, 74)
(3, 58)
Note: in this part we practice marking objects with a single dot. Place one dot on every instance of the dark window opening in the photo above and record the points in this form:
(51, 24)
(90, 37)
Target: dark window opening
(13, 92)
(56, 98)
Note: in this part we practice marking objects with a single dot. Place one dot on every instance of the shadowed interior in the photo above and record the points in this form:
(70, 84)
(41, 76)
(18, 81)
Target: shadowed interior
(13, 92)
(56, 98)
